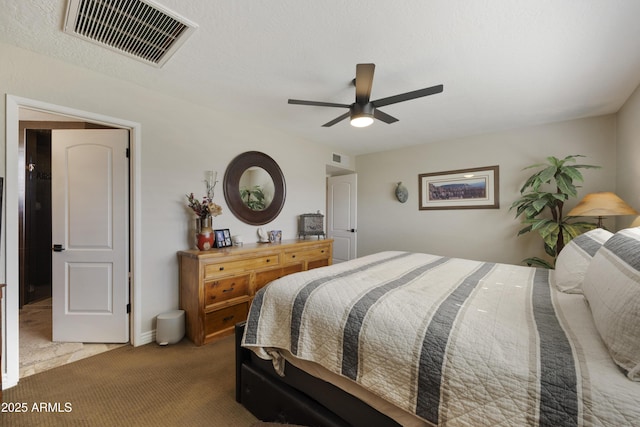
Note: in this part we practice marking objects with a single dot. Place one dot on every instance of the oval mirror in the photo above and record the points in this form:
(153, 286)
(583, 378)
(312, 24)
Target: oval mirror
(254, 188)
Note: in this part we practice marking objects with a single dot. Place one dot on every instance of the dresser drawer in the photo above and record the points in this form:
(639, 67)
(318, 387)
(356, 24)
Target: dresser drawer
(224, 319)
(225, 289)
(317, 263)
(306, 254)
(290, 269)
(267, 276)
(226, 267)
(264, 277)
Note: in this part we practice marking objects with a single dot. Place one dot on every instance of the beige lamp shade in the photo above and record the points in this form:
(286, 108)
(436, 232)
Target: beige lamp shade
(602, 204)
(636, 222)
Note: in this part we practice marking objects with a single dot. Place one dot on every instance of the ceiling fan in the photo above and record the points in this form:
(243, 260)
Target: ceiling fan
(363, 111)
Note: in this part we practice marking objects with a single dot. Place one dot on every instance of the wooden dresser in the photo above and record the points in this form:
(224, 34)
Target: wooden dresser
(218, 285)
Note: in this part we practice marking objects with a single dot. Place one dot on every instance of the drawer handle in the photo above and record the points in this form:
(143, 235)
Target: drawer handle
(322, 251)
(268, 260)
(226, 319)
(221, 268)
(228, 290)
(293, 256)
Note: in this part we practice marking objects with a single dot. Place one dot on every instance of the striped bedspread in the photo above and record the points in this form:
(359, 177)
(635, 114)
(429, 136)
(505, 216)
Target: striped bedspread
(453, 341)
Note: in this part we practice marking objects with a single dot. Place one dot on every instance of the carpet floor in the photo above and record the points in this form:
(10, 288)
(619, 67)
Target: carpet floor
(150, 385)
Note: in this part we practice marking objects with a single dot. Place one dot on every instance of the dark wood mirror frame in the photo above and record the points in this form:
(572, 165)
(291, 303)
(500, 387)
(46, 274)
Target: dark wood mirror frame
(231, 186)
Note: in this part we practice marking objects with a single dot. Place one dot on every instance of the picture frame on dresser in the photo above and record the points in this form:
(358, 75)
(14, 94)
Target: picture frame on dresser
(222, 238)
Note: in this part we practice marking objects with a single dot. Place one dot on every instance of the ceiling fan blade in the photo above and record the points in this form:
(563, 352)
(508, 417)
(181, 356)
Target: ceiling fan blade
(317, 103)
(384, 117)
(407, 96)
(364, 82)
(337, 119)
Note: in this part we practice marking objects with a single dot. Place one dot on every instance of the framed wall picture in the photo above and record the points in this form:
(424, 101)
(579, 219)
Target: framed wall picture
(475, 188)
(222, 238)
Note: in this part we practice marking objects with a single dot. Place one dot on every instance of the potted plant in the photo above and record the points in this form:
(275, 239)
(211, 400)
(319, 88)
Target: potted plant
(543, 196)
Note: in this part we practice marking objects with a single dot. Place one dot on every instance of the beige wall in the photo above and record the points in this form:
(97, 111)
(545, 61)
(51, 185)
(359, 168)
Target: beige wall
(628, 165)
(180, 141)
(484, 234)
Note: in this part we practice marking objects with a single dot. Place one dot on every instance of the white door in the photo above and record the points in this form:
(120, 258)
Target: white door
(342, 215)
(90, 287)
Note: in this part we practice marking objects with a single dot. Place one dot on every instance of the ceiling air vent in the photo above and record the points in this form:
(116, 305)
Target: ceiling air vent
(140, 29)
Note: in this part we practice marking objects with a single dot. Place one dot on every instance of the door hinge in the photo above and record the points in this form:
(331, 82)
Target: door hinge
(127, 153)
(128, 308)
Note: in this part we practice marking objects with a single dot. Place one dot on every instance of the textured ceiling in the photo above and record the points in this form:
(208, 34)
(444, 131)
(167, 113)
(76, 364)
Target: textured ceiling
(503, 63)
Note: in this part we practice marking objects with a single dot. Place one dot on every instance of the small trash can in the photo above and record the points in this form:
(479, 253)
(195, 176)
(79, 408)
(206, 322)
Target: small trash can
(170, 327)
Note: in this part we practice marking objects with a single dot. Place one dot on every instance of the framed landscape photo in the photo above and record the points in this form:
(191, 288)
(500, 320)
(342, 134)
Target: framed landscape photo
(222, 238)
(475, 188)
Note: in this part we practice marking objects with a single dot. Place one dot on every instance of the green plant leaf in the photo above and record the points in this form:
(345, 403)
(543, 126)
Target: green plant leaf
(537, 262)
(556, 162)
(573, 230)
(547, 174)
(573, 157)
(529, 182)
(551, 251)
(560, 196)
(524, 230)
(565, 185)
(586, 167)
(573, 173)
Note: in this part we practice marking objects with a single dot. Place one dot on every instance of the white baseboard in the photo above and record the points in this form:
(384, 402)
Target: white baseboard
(146, 338)
(5, 382)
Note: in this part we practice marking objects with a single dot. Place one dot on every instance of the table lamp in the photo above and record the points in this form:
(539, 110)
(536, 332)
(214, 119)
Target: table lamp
(602, 204)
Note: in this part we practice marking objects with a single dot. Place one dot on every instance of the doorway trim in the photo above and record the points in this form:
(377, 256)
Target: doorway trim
(10, 225)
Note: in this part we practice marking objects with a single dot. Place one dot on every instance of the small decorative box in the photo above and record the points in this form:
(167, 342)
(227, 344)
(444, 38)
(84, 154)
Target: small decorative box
(311, 225)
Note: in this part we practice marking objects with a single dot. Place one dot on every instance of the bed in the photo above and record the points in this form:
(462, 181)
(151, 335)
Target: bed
(413, 339)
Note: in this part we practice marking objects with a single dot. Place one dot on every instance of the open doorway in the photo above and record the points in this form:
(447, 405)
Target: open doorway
(38, 351)
(35, 224)
(12, 185)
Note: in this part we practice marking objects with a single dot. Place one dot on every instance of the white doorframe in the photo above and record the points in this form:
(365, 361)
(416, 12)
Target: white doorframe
(10, 223)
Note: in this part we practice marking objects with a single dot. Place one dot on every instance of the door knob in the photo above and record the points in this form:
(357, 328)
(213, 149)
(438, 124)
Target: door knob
(58, 248)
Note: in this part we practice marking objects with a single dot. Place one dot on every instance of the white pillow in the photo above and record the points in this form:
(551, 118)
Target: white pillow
(612, 288)
(574, 258)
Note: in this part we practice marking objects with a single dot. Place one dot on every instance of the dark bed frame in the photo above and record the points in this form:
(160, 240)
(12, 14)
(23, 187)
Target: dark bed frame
(297, 398)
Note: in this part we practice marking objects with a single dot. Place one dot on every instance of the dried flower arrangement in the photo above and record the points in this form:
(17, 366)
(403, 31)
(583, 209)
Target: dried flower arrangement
(206, 208)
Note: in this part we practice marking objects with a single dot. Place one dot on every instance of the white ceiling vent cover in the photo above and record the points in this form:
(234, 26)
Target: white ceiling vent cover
(137, 28)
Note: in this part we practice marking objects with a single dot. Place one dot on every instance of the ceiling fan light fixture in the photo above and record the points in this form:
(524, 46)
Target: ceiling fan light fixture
(361, 115)
(361, 120)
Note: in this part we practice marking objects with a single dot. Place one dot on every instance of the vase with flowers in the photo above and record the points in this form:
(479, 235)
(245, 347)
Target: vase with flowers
(205, 209)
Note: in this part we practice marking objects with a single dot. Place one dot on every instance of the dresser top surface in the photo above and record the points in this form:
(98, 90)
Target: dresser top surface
(252, 248)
